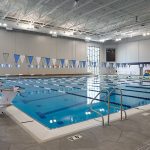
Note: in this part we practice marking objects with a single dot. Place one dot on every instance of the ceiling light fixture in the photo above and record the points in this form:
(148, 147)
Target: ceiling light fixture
(118, 39)
(50, 32)
(9, 28)
(4, 25)
(54, 34)
(102, 40)
(146, 34)
(27, 26)
(30, 26)
(69, 33)
(87, 39)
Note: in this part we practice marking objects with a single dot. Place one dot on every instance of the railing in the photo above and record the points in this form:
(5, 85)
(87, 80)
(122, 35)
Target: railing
(107, 96)
(121, 104)
(94, 99)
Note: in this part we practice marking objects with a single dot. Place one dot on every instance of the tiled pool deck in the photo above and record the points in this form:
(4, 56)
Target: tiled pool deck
(131, 134)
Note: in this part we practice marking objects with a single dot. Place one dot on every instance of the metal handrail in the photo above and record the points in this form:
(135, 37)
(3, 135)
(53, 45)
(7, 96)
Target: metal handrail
(121, 104)
(94, 99)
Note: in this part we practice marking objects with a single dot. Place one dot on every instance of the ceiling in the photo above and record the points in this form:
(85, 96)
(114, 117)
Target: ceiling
(95, 19)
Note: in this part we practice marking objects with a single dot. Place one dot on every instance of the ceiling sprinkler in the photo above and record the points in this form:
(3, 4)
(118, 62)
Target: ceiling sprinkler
(76, 3)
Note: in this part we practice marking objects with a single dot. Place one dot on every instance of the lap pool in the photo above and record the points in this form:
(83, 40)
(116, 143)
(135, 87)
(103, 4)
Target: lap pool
(57, 102)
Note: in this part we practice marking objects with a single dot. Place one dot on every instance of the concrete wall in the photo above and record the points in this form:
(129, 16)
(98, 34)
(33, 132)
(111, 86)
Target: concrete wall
(43, 46)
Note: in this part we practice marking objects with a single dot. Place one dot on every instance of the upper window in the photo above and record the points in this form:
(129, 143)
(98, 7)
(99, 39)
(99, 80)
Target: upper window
(93, 58)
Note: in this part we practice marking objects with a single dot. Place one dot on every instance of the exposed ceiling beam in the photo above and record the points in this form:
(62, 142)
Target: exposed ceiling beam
(70, 11)
(137, 12)
(93, 10)
(127, 27)
(54, 9)
(99, 18)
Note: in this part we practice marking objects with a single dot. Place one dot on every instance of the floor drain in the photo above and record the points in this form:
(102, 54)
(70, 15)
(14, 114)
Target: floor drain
(145, 114)
(74, 137)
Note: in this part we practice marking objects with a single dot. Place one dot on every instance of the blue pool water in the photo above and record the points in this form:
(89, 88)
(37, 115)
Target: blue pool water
(57, 102)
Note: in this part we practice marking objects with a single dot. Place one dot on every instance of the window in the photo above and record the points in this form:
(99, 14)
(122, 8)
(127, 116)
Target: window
(93, 59)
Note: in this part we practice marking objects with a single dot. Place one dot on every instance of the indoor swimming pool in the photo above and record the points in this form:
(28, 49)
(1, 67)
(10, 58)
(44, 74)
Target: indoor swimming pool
(57, 102)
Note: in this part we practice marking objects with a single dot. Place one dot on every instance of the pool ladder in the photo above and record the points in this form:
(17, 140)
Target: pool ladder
(107, 99)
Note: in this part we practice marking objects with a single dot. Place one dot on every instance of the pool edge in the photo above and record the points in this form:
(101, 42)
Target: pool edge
(42, 134)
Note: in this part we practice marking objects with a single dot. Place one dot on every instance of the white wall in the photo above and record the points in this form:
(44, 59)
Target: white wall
(104, 50)
(132, 52)
(129, 52)
(40, 45)
(107, 70)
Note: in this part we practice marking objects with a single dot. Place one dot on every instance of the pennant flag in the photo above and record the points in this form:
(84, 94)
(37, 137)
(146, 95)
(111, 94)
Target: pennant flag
(43, 61)
(54, 62)
(16, 56)
(104, 65)
(74, 63)
(114, 65)
(27, 60)
(77, 63)
(30, 58)
(80, 64)
(66, 63)
(84, 64)
(47, 61)
(89, 63)
(94, 64)
(58, 63)
(62, 62)
(5, 56)
(38, 60)
(107, 65)
(22, 57)
(141, 65)
(70, 64)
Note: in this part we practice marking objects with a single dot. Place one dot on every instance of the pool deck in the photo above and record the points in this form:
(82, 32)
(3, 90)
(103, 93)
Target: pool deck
(131, 134)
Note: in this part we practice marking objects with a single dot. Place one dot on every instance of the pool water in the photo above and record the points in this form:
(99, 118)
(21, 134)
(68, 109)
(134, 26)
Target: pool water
(58, 102)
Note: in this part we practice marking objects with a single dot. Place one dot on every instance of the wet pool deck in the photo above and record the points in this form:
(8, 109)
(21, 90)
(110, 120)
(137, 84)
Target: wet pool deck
(131, 134)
